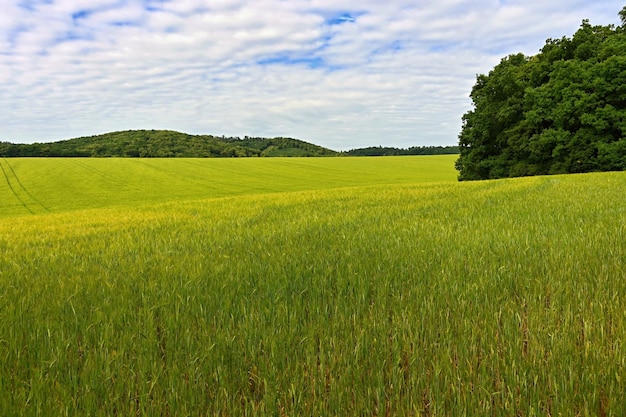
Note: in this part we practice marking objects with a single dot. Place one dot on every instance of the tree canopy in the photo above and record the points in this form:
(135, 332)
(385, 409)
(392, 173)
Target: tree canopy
(171, 144)
(560, 111)
(413, 150)
(164, 144)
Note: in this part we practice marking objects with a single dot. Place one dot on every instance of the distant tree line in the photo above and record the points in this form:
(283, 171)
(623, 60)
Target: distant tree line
(164, 144)
(171, 144)
(415, 150)
(560, 111)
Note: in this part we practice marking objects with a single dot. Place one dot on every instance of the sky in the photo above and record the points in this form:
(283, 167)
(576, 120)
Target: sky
(343, 74)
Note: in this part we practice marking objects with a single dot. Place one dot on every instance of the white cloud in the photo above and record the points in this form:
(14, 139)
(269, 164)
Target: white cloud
(340, 73)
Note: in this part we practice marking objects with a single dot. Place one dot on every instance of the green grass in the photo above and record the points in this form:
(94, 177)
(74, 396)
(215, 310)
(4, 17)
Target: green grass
(395, 295)
(40, 185)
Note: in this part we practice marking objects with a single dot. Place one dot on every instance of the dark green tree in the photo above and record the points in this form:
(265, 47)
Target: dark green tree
(560, 111)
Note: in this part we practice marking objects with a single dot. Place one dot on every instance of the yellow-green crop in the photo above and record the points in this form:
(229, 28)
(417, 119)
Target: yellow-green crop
(40, 185)
(383, 294)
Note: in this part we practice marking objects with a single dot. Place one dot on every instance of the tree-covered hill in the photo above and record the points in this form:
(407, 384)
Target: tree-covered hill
(170, 144)
(164, 144)
(560, 111)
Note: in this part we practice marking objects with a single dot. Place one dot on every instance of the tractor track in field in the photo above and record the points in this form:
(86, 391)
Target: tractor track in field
(18, 189)
(6, 177)
(111, 179)
(103, 174)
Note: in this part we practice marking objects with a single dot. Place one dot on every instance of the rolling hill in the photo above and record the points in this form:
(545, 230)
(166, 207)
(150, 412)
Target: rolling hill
(164, 144)
(171, 144)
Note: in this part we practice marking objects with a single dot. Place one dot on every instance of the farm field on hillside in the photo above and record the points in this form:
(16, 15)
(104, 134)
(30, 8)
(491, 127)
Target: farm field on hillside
(40, 185)
(418, 297)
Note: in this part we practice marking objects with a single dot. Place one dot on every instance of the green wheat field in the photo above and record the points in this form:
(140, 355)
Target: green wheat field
(308, 287)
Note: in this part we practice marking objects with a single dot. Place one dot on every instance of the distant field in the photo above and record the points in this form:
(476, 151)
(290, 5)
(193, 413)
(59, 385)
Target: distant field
(40, 185)
(362, 287)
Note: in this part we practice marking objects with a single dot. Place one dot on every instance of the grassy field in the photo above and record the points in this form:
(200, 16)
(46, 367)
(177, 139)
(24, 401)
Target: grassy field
(342, 286)
(40, 186)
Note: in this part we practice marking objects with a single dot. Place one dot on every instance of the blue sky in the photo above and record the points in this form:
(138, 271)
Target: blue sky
(338, 73)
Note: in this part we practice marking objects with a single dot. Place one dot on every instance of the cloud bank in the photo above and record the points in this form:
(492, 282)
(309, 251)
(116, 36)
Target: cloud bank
(340, 73)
